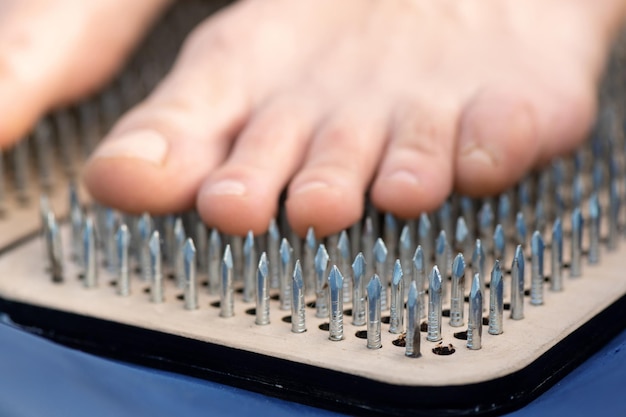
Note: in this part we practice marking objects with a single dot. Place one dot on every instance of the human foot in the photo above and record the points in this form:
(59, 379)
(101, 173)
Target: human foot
(53, 52)
(410, 98)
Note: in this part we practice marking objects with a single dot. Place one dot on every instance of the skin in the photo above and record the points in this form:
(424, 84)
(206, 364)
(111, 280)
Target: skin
(406, 100)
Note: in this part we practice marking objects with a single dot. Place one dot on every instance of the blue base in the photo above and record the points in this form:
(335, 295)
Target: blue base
(41, 378)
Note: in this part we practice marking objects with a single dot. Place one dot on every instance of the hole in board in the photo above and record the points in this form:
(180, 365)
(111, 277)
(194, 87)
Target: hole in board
(361, 334)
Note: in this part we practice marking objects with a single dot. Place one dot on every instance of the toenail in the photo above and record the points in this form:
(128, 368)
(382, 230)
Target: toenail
(146, 145)
(308, 186)
(227, 187)
(404, 176)
(479, 155)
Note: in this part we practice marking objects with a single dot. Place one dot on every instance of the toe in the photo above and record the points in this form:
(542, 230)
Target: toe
(505, 133)
(157, 156)
(328, 193)
(416, 172)
(243, 193)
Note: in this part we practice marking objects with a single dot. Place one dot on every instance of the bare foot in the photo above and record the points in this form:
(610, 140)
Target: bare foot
(408, 99)
(52, 52)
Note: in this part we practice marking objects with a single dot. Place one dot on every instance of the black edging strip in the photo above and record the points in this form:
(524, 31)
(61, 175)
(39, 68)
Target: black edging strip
(316, 386)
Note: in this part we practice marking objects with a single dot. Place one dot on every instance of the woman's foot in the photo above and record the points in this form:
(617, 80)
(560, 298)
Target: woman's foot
(53, 52)
(406, 99)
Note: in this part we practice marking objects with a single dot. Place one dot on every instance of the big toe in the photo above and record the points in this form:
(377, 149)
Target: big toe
(157, 156)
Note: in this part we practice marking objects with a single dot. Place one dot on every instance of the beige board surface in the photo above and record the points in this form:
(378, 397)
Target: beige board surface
(23, 278)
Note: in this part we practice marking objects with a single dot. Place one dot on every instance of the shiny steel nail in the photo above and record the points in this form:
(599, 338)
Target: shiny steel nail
(576, 244)
(614, 215)
(520, 229)
(76, 224)
(496, 300)
(250, 266)
(179, 240)
(110, 226)
(215, 251)
(91, 265)
(321, 288)
(517, 285)
(462, 243)
(122, 240)
(499, 244)
(419, 276)
(263, 292)
(457, 293)
(55, 247)
(358, 298)
(595, 215)
(441, 252)
(273, 244)
(380, 269)
(478, 262)
(475, 320)
(412, 339)
(227, 299)
(144, 229)
(308, 261)
(343, 250)
(536, 277)
(286, 274)
(298, 316)
(556, 257)
(374, 288)
(406, 252)
(156, 268)
(396, 312)
(191, 280)
(434, 306)
(335, 285)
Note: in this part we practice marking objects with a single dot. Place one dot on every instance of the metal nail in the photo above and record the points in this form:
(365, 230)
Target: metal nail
(517, 285)
(343, 250)
(227, 298)
(595, 215)
(556, 257)
(406, 252)
(380, 269)
(457, 293)
(396, 312)
(475, 320)
(374, 288)
(273, 244)
(250, 266)
(419, 276)
(358, 287)
(156, 268)
(286, 274)
(496, 300)
(298, 316)
(191, 281)
(576, 245)
(214, 261)
(90, 279)
(434, 306)
(263, 292)
(335, 285)
(536, 277)
(321, 290)
(412, 339)
(122, 240)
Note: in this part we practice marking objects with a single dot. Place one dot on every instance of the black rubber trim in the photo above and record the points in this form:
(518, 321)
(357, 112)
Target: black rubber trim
(318, 386)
